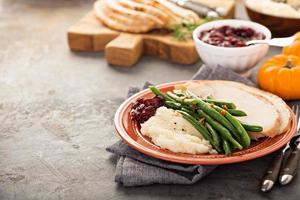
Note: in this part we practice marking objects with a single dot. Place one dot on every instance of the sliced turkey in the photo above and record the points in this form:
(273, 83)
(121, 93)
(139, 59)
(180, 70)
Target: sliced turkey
(282, 107)
(264, 109)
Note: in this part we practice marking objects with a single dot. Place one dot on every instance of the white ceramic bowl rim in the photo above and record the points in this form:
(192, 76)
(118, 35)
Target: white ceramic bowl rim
(235, 23)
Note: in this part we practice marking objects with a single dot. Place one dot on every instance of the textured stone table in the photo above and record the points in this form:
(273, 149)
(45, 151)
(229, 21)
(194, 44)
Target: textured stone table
(56, 112)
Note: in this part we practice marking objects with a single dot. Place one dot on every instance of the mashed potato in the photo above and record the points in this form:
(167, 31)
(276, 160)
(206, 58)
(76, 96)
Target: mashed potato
(273, 8)
(167, 129)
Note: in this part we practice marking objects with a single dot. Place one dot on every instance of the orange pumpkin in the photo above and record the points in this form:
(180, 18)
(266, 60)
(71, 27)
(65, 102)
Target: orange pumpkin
(297, 35)
(281, 75)
(293, 49)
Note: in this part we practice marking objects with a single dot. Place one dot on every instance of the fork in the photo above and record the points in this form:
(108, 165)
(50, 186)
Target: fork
(288, 170)
(290, 167)
(278, 42)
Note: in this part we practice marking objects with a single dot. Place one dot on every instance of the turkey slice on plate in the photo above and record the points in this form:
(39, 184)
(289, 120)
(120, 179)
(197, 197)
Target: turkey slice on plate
(261, 108)
(282, 107)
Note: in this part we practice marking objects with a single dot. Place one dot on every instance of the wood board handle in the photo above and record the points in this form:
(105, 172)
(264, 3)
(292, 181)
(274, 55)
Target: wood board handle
(89, 34)
(125, 50)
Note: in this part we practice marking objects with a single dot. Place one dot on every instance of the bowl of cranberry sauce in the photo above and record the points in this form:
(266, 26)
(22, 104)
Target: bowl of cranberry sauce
(228, 36)
(223, 43)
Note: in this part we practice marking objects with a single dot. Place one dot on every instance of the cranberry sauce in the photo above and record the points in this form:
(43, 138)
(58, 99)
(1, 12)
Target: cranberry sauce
(143, 109)
(227, 36)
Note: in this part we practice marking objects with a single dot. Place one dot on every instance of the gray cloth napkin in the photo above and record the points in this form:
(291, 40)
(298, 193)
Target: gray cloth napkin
(136, 169)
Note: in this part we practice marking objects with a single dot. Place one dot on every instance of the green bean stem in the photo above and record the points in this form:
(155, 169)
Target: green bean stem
(228, 105)
(252, 128)
(238, 113)
(157, 92)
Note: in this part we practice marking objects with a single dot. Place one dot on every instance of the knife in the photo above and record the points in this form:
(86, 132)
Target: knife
(199, 8)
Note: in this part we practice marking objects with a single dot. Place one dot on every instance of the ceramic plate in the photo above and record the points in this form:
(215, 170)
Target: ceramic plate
(130, 133)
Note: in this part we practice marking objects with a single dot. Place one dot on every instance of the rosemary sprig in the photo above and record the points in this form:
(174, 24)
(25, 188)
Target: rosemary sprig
(185, 30)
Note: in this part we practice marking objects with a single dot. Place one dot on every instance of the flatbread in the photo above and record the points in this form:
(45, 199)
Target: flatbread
(118, 22)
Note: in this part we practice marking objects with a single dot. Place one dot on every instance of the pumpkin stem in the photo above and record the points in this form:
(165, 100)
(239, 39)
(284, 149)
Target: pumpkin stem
(289, 64)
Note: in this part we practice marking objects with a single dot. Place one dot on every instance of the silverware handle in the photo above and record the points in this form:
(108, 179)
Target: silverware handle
(272, 173)
(289, 169)
(198, 8)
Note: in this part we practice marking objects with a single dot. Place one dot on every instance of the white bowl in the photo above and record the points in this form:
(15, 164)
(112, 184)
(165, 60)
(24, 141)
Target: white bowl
(239, 59)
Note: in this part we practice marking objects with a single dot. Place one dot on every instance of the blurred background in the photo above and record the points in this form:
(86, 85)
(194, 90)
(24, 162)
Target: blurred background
(57, 108)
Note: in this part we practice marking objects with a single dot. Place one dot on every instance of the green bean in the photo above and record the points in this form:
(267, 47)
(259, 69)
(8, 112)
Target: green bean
(157, 92)
(228, 105)
(196, 124)
(192, 95)
(200, 128)
(179, 93)
(175, 97)
(252, 128)
(211, 97)
(238, 113)
(182, 99)
(243, 135)
(173, 105)
(226, 147)
(190, 112)
(221, 129)
(213, 134)
(216, 116)
(207, 108)
(185, 103)
(190, 101)
(179, 106)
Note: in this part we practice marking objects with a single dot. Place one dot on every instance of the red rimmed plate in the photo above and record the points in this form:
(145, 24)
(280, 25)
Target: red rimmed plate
(129, 132)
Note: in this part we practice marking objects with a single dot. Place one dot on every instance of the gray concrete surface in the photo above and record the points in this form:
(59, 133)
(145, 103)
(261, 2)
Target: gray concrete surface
(56, 111)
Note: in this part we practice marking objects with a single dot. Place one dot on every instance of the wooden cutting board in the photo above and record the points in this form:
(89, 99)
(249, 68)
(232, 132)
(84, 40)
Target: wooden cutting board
(125, 49)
